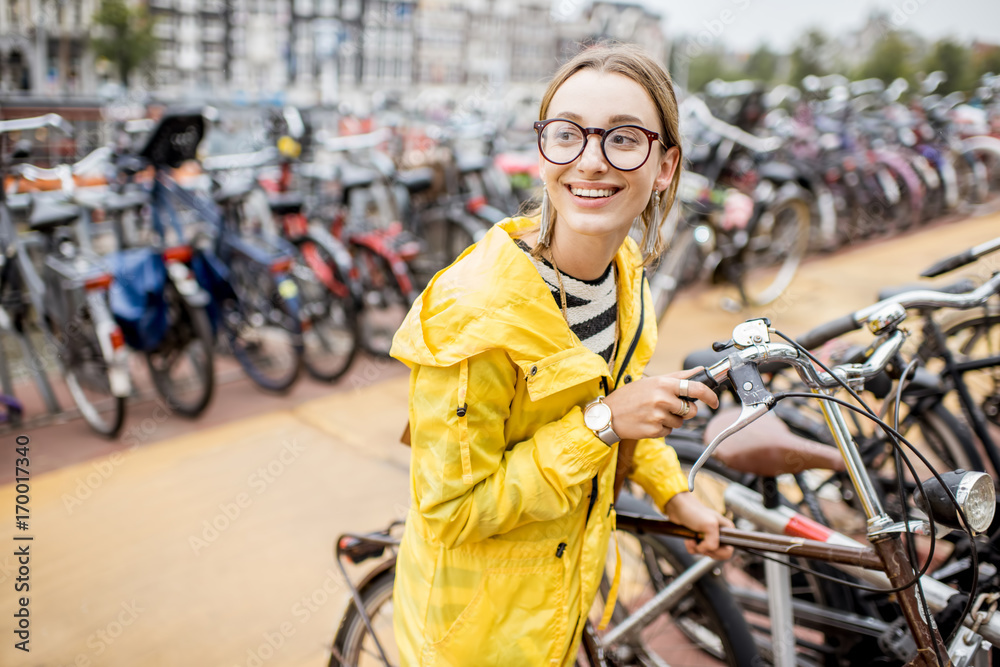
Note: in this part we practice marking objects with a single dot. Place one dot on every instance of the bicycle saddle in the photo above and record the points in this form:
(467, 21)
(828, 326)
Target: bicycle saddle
(416, 180)
(469, 163)
(768, 448)
(234, 191)
(285, 203)
(124, 201)
(47, 216)
(353, 176)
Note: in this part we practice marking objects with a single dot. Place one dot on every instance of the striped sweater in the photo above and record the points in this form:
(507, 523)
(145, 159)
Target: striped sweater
(591, 305)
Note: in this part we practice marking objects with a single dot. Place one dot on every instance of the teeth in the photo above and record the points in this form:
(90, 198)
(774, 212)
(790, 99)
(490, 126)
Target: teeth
(580, 192)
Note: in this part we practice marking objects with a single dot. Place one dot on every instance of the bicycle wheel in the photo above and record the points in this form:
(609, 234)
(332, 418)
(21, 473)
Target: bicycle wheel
(263, 332)
(88, 375)
(444, 240)
(330, 337)
(182, 367)
(383, 303)
(706, 627)
(353, 645)
(678, 267)
(778, 242)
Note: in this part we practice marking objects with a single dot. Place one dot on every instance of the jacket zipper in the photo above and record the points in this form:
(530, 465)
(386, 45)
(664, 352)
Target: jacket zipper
(604, 380)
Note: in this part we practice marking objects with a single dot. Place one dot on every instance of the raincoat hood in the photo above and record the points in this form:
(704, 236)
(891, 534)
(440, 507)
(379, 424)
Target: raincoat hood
(466, 311)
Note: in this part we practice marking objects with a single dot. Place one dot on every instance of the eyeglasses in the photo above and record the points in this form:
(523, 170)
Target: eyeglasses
(625, 147)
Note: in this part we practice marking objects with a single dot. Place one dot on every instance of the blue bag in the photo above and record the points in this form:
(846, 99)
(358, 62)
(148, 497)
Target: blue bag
(136, 297)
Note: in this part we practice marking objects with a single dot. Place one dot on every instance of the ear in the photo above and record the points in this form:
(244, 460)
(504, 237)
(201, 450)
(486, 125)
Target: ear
(668, 168)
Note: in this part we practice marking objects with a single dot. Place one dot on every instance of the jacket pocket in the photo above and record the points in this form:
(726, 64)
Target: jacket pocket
(517, 616)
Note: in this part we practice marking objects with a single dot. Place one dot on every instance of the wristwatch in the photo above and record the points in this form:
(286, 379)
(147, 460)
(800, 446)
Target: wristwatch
(597, 417)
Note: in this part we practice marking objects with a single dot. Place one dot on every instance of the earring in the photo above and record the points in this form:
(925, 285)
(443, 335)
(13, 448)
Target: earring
(545, 224)
(653, 228)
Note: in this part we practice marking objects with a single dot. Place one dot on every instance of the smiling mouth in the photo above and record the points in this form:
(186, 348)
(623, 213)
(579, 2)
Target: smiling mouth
(593, 193)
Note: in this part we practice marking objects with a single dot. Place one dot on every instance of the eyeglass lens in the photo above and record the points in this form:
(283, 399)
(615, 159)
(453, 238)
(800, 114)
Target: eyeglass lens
(624, 147)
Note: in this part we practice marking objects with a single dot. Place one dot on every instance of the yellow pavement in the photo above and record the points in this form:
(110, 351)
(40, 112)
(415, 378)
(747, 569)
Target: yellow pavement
(215, 549)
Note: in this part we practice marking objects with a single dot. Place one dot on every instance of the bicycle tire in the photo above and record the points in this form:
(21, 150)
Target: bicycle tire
(780, 238)
(710, 623)
(838, 643)
(444, 239)
(260, 303)
(189, 330)
(677, 268)
(352, 645)
(85, 369)
(383, 303)
(331, 341)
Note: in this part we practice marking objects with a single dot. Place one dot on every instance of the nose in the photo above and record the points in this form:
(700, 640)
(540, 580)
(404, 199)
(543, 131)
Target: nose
(592, 158)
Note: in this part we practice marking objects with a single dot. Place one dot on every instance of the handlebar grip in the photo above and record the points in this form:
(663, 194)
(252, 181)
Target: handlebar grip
(828, 331)
(949, 264)
(706, 379)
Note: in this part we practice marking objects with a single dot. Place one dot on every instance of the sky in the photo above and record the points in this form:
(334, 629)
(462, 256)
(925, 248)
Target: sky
(779, 22)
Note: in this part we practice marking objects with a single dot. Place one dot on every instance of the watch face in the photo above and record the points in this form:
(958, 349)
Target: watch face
(597, 417)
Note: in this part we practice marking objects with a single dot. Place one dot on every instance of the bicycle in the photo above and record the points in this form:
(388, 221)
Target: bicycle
(753, 243)
(254, 301)
(886, 565)
(68, 294)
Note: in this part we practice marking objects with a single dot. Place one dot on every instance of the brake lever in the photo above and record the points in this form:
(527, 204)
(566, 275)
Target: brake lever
(748, 415)
(756, 398)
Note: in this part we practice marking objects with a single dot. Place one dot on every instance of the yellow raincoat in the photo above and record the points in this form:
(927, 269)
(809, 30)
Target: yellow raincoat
(511, 512)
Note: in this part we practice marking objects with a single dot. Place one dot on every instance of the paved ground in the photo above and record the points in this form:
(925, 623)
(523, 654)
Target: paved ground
(209, 543)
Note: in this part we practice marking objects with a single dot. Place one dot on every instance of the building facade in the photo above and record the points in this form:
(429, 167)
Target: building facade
(315, 51)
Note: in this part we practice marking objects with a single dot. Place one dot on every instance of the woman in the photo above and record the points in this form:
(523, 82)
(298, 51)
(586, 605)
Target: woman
(527, 357)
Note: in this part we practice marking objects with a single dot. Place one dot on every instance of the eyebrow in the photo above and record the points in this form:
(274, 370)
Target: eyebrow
(619, 119)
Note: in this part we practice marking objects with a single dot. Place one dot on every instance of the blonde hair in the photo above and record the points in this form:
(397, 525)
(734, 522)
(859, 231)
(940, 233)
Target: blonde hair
(632, 62)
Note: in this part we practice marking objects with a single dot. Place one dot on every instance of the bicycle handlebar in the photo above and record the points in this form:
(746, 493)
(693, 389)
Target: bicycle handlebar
(924, 298)
(253, 160)
(961, 259)
(48, 120)
(753, 347)
(700, 110)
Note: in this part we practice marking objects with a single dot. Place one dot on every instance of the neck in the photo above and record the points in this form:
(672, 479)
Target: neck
(583, 257)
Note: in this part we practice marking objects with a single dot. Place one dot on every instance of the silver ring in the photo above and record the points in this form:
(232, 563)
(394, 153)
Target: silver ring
(684, 410)
(683, 389)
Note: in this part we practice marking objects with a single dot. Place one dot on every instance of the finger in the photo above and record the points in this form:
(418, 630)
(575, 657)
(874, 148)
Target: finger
(710, 540)
(722, 553)
(692, 410)
(701, 392)
(691, 546)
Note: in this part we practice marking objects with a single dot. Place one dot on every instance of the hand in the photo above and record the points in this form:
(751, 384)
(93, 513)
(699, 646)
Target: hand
(652, 407)
(687, 510)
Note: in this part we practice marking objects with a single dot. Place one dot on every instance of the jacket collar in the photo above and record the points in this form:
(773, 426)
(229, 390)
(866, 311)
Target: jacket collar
(492, 297)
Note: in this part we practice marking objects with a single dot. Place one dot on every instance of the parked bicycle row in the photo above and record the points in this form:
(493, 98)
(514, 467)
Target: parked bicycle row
(899, 463)
(774, 174)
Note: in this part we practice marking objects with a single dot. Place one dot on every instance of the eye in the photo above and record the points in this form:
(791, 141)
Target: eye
(626, 138)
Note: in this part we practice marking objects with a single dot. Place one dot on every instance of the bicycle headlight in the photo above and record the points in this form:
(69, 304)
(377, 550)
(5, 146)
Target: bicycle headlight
(975, 495)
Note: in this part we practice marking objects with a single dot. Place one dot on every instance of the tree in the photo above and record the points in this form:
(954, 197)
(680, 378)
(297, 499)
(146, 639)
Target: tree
(889, 60)
(987, 60)
(704, 68)
(762, 64)
(954, 60)
(127, 40)
(807, 58)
